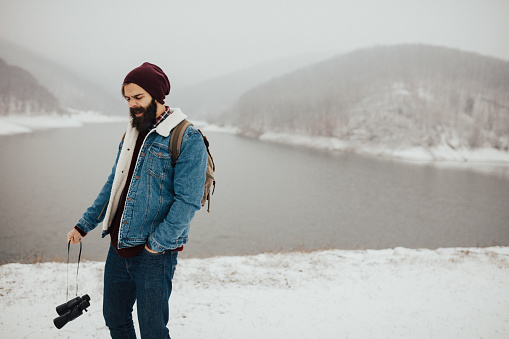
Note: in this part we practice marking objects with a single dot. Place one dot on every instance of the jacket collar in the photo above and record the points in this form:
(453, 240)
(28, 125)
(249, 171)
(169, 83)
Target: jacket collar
(165, 127)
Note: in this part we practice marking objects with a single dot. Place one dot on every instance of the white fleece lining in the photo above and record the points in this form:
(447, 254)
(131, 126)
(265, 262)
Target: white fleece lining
(126, 155)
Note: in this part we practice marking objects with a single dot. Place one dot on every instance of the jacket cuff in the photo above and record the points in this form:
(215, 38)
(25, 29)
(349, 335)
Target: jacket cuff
(178, 249)
(154, 246)
(84, 225)
(83, 233)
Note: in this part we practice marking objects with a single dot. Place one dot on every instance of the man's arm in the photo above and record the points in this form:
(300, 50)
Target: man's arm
(189, 181)
(95, 213)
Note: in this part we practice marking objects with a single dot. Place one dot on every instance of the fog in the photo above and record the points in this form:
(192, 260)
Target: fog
(197, 40)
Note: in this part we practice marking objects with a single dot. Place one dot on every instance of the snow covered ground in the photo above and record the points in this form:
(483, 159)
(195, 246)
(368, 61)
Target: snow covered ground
(485, 160)
(206, 127)
(393, 293)
(16, 124)
(438, 153)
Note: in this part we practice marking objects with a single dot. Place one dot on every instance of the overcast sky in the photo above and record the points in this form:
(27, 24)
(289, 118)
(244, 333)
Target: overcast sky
(194, 40)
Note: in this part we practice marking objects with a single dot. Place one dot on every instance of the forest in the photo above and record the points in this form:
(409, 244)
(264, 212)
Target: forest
(398, 96)
(20, 93)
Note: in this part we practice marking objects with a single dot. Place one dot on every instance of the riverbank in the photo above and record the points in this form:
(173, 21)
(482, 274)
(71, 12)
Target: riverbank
(446, 155)
(485, 160)
(392, 293)
(18, 124)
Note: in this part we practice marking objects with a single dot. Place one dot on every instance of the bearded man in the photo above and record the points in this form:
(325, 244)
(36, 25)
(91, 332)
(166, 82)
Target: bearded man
(146, 206)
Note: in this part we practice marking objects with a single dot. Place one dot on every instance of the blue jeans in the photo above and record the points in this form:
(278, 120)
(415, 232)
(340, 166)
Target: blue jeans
(146, 279)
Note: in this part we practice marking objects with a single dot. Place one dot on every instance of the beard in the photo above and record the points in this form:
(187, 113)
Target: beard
(146, 121)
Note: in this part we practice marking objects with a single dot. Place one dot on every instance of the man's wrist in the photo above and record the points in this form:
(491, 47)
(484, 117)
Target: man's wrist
(82, 233)
(147, 247)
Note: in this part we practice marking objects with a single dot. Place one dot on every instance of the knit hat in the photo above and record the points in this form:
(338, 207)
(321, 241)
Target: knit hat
(152, 79)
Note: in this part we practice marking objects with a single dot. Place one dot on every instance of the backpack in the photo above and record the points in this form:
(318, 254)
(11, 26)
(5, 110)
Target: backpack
(176, 142)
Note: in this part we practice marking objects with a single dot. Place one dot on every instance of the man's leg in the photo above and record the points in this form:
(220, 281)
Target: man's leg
(119, 297)
(153, 274)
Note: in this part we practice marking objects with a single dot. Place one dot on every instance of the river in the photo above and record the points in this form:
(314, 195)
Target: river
(269, 198)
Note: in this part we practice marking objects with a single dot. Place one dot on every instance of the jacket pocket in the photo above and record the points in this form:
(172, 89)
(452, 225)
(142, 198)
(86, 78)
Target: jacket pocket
(159, 161)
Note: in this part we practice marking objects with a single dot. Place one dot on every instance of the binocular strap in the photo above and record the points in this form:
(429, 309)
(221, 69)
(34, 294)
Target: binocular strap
(77, 270)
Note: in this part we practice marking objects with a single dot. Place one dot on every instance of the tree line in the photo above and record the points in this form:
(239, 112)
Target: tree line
(20, 93)
(403, 95)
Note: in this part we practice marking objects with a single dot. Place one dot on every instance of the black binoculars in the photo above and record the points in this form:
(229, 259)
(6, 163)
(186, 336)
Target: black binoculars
(71, 310)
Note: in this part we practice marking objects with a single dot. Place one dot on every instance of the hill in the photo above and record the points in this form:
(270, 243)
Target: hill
(71, 90)
(397, 96)
(21, 93)
(208, 99)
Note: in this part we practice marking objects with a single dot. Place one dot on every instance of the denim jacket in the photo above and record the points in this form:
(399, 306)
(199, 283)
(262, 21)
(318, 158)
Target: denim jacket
(162, 197)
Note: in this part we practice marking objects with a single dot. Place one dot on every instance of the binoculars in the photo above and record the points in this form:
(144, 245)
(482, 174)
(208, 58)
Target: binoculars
(71, 310)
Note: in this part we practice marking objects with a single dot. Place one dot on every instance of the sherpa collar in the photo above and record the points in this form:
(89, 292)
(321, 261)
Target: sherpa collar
(165, 127)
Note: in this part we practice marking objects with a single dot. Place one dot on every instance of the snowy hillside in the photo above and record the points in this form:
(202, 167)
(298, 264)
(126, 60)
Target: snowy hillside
(20, 92)
(396, 97)
(393, 293)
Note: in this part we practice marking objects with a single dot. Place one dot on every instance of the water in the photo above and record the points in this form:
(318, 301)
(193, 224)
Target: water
(268, 198)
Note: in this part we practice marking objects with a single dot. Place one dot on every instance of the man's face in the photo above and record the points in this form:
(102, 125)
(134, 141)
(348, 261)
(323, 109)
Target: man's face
(142, 107)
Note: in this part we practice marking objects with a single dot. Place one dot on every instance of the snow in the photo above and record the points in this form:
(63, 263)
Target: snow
(8, 127)
(437, 153)
(487, 160)
(391, 293)
(206, 127)
(16, 124)
(23, 123)
(447, 155)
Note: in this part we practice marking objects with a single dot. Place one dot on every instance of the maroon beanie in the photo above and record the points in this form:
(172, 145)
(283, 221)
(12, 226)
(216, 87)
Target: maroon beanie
(152, 79)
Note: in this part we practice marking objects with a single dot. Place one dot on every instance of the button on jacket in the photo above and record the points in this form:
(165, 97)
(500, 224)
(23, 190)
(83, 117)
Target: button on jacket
(162, 197)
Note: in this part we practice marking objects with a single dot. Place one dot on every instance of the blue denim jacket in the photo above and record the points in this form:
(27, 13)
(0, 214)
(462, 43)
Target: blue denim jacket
(162, 197)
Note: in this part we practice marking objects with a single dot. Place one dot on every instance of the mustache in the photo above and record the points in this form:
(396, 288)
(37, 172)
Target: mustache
(135, 110)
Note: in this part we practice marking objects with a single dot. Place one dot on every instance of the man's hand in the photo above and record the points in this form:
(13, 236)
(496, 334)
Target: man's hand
(148, 249)
(74, 237)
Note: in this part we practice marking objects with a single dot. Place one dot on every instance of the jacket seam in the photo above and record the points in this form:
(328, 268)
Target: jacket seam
(103, 209)
(189, 134)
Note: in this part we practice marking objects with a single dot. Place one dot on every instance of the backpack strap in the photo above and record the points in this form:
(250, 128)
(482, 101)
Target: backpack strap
(176, 139)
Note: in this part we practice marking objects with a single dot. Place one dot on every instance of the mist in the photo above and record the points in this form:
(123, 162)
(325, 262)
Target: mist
(194, 41)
